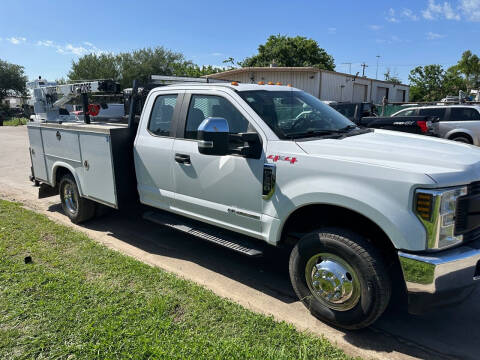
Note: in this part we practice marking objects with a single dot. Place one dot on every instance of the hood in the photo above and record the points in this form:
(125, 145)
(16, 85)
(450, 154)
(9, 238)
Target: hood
(446, 162)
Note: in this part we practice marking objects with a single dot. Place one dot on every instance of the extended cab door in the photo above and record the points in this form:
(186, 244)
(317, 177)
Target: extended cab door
(222, 190)
(153, 149)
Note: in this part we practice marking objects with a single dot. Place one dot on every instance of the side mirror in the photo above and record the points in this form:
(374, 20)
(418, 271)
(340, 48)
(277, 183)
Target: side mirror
(213, 134)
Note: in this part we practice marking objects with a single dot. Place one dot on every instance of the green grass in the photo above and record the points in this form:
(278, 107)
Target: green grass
(81, 300)
(15, 122)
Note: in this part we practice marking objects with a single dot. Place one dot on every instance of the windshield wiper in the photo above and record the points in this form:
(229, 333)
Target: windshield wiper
(348, 128)
(321, 132)
(310, 133)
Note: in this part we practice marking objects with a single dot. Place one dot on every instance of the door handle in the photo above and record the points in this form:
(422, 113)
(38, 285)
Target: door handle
(182, 159)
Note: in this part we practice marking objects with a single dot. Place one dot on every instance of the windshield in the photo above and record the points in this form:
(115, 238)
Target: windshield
(292, 114)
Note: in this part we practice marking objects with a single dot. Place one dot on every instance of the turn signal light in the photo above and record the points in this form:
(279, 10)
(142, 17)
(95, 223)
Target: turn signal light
(424, 205)
(234, 83)
(289, 85)
(279, 83)
(270, 83)
(261, 83)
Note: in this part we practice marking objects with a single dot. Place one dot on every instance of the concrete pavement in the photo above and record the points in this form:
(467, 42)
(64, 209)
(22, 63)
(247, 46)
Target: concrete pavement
(261, 285)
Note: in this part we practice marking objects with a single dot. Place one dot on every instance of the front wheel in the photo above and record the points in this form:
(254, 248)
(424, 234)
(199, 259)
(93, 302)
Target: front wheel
(340, 277)
(77, 208)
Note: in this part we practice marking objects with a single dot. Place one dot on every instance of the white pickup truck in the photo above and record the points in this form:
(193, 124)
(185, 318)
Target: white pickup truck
(365, 213)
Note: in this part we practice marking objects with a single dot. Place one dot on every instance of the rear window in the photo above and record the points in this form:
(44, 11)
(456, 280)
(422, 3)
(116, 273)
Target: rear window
(464, 114)
(438, 112)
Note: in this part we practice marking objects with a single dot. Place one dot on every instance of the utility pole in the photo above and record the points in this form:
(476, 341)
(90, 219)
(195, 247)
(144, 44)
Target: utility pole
(376, 72)
(363, 66)
(349, 66)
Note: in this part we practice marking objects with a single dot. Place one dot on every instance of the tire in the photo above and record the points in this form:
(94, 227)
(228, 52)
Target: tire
(462, 138)
(333, 257)
(77, 208)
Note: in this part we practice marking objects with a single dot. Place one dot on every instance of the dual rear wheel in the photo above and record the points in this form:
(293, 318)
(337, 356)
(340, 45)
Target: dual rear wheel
(77, 208)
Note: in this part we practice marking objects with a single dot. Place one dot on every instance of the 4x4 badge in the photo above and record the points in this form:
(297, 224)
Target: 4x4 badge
(275, 158)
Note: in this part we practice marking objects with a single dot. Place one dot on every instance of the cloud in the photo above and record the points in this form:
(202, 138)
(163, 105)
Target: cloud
(438, 10)
(391, 16)
(391, 40)
(470, 9)
(332, 30)
(409, 14)
(47, 43)
(375, 27)
(216, 54)
(16, 40)
(434, 36)
(88, 48)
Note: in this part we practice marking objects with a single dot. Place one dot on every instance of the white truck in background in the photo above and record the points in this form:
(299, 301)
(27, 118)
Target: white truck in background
(365, 213)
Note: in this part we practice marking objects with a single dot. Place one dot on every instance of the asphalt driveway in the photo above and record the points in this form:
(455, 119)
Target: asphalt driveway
(259, 284)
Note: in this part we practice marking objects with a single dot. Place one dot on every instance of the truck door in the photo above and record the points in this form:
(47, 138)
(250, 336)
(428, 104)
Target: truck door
(153, 148)
(224, 190)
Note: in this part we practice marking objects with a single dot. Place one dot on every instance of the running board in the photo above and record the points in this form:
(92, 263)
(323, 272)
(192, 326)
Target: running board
(213, 234)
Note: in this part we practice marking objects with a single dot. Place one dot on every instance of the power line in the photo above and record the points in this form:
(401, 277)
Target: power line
(349, 66)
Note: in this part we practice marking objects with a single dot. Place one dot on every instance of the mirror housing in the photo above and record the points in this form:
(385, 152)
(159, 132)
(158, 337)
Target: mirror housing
(213, 136)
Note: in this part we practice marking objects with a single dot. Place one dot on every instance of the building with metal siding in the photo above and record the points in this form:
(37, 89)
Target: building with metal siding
(324, 84)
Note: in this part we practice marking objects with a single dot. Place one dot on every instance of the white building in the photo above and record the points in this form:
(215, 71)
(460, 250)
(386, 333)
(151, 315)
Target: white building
(324, 84)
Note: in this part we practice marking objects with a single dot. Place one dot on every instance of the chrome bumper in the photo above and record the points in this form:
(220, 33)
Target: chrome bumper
(440, 278)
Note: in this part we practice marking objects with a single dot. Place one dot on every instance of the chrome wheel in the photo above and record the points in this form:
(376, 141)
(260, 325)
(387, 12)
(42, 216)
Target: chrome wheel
(332, 281)
(69, 198)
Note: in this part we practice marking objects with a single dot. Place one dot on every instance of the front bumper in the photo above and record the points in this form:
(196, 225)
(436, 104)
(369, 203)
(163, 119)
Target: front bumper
(441, 278)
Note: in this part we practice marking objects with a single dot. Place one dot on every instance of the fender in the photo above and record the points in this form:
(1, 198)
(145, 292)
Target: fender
(459, 131)
(58, 164)
(384, 208)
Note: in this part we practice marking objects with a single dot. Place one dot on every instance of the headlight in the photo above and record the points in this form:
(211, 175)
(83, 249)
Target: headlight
(436, 210)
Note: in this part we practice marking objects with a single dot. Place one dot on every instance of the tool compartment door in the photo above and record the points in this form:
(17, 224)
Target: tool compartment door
(98, 179)
(37, 154)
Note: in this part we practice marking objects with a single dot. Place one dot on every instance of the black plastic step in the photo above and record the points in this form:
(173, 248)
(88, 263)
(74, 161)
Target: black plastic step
(213, 234)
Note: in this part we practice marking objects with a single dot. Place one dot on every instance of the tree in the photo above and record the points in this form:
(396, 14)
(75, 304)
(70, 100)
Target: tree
(290, 51)
(453, 81)
(393, 78)
(139, 64)
(93, 66)
(12, 79)
(427, 83)
(469, 65)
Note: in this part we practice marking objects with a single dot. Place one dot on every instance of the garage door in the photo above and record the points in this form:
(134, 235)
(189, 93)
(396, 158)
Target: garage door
(359, 93)
(381, 93)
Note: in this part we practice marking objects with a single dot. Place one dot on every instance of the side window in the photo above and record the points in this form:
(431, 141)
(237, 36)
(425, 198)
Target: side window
(464, 114)
(162, 114)
(438, 112)
(408, 112)
(204, 106)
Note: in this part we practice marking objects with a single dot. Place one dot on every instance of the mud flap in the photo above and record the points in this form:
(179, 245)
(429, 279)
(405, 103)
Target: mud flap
(46, 190)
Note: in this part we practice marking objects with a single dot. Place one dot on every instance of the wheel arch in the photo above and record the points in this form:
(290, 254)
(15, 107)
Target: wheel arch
(61, 168)
(461, 132)
(342, 217)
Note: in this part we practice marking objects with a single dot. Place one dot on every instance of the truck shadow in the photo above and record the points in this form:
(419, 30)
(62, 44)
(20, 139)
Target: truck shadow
(442, 334)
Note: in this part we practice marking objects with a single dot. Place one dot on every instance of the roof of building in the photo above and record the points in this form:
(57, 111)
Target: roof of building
(222, 74)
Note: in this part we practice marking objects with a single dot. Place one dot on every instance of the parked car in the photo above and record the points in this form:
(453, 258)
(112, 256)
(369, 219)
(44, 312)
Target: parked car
(365, 114)
(365, 213)
(456, 122)
(355, 111)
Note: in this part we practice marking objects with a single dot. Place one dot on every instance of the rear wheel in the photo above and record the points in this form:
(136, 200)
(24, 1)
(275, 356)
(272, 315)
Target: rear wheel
(462, 138)
(340, 277)
(77, 208)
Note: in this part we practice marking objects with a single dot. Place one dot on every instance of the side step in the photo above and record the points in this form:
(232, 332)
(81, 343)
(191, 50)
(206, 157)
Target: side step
(225, 238)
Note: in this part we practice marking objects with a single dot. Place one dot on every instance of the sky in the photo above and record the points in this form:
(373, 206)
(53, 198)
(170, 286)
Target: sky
(46, 36)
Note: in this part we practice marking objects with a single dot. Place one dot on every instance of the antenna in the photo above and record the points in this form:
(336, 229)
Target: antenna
(363, 65)
(376, 72)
